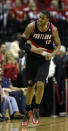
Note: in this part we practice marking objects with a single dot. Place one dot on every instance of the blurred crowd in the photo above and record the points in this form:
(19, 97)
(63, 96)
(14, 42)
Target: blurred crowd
(16, 14)
(14, 17)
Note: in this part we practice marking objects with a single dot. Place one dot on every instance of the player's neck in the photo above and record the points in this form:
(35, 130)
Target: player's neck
(44, 27)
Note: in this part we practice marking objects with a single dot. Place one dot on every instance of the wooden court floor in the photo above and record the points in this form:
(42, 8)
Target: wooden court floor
(46, 124)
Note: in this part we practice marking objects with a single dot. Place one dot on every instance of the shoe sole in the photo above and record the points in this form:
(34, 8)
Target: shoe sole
(25, 124)
(35, 122)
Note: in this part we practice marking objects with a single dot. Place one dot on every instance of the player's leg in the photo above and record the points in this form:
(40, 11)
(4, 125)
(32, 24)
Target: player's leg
(29, 97)
(40, 81)
(38, 98)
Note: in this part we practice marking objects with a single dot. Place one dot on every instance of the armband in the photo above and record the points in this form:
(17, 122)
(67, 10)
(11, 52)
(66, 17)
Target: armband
(23, 45)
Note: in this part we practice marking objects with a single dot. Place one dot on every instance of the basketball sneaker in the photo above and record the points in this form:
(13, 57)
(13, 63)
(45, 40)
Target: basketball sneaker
(35, 119)
(26, 118)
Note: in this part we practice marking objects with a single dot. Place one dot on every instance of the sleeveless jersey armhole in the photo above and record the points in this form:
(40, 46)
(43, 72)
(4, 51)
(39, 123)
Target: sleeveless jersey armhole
(33, 27)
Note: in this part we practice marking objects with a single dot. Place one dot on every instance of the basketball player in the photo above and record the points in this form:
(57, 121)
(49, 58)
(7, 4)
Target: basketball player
(37, 40)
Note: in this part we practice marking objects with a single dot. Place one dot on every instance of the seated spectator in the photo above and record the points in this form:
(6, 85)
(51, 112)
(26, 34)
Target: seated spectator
(25, 5)
(42, 4)
(65, 3)
(58, 19)
(55, 12)
(10, 67)
(8, 102)
(17, 93)
(33, 13)
(8, 4)
(2, 116)
(17, 19)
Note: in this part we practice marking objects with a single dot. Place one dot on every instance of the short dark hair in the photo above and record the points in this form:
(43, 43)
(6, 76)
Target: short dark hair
(45, 12)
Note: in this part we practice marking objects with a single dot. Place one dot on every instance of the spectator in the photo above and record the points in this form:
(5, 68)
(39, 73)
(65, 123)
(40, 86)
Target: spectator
(16, 18)
(25, 5)
(18, 94)
(10, 67)
(60, 78)
(33, 13)
(42, 4)
(56, 70)
(58, 60)
(65, 2)
(8, 4)
(54, 12)
(58, 19)
(8, 102)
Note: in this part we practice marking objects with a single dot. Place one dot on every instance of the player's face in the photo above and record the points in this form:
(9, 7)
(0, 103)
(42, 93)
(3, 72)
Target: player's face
(43, 19)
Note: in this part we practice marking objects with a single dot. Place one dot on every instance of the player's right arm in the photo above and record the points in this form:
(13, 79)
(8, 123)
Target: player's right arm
(27, 46)
(25, 37)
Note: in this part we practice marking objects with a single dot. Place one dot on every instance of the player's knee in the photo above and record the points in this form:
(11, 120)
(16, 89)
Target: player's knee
(40, 84)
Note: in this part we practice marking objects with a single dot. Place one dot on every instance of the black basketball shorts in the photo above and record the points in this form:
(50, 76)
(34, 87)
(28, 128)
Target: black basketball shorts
(37, 71)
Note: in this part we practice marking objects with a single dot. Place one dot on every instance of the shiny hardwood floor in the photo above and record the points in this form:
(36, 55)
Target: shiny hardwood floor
(46, 124)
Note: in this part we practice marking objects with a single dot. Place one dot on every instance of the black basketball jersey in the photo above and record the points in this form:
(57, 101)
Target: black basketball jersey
(42, 39)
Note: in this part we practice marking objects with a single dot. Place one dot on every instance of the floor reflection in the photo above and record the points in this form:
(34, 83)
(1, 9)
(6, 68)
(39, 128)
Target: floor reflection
(48, 124)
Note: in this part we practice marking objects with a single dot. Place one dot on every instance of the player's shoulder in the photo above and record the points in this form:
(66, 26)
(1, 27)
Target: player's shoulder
(54, 28)
(31, 25)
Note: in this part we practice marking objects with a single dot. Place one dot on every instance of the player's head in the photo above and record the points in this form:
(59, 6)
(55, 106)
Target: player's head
(46, 13)
(44, 17)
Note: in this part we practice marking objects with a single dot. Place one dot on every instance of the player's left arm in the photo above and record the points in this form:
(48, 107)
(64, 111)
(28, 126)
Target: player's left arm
(57, 42)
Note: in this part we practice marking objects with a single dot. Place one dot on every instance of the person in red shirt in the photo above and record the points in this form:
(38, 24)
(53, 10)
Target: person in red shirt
(42, 4)
(55, 13)
(25, 5)
(65, 2)
(10, 66)
(16, 18)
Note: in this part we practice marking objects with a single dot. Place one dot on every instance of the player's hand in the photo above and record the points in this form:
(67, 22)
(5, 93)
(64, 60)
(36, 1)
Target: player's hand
(48, 57)
(37, 50)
